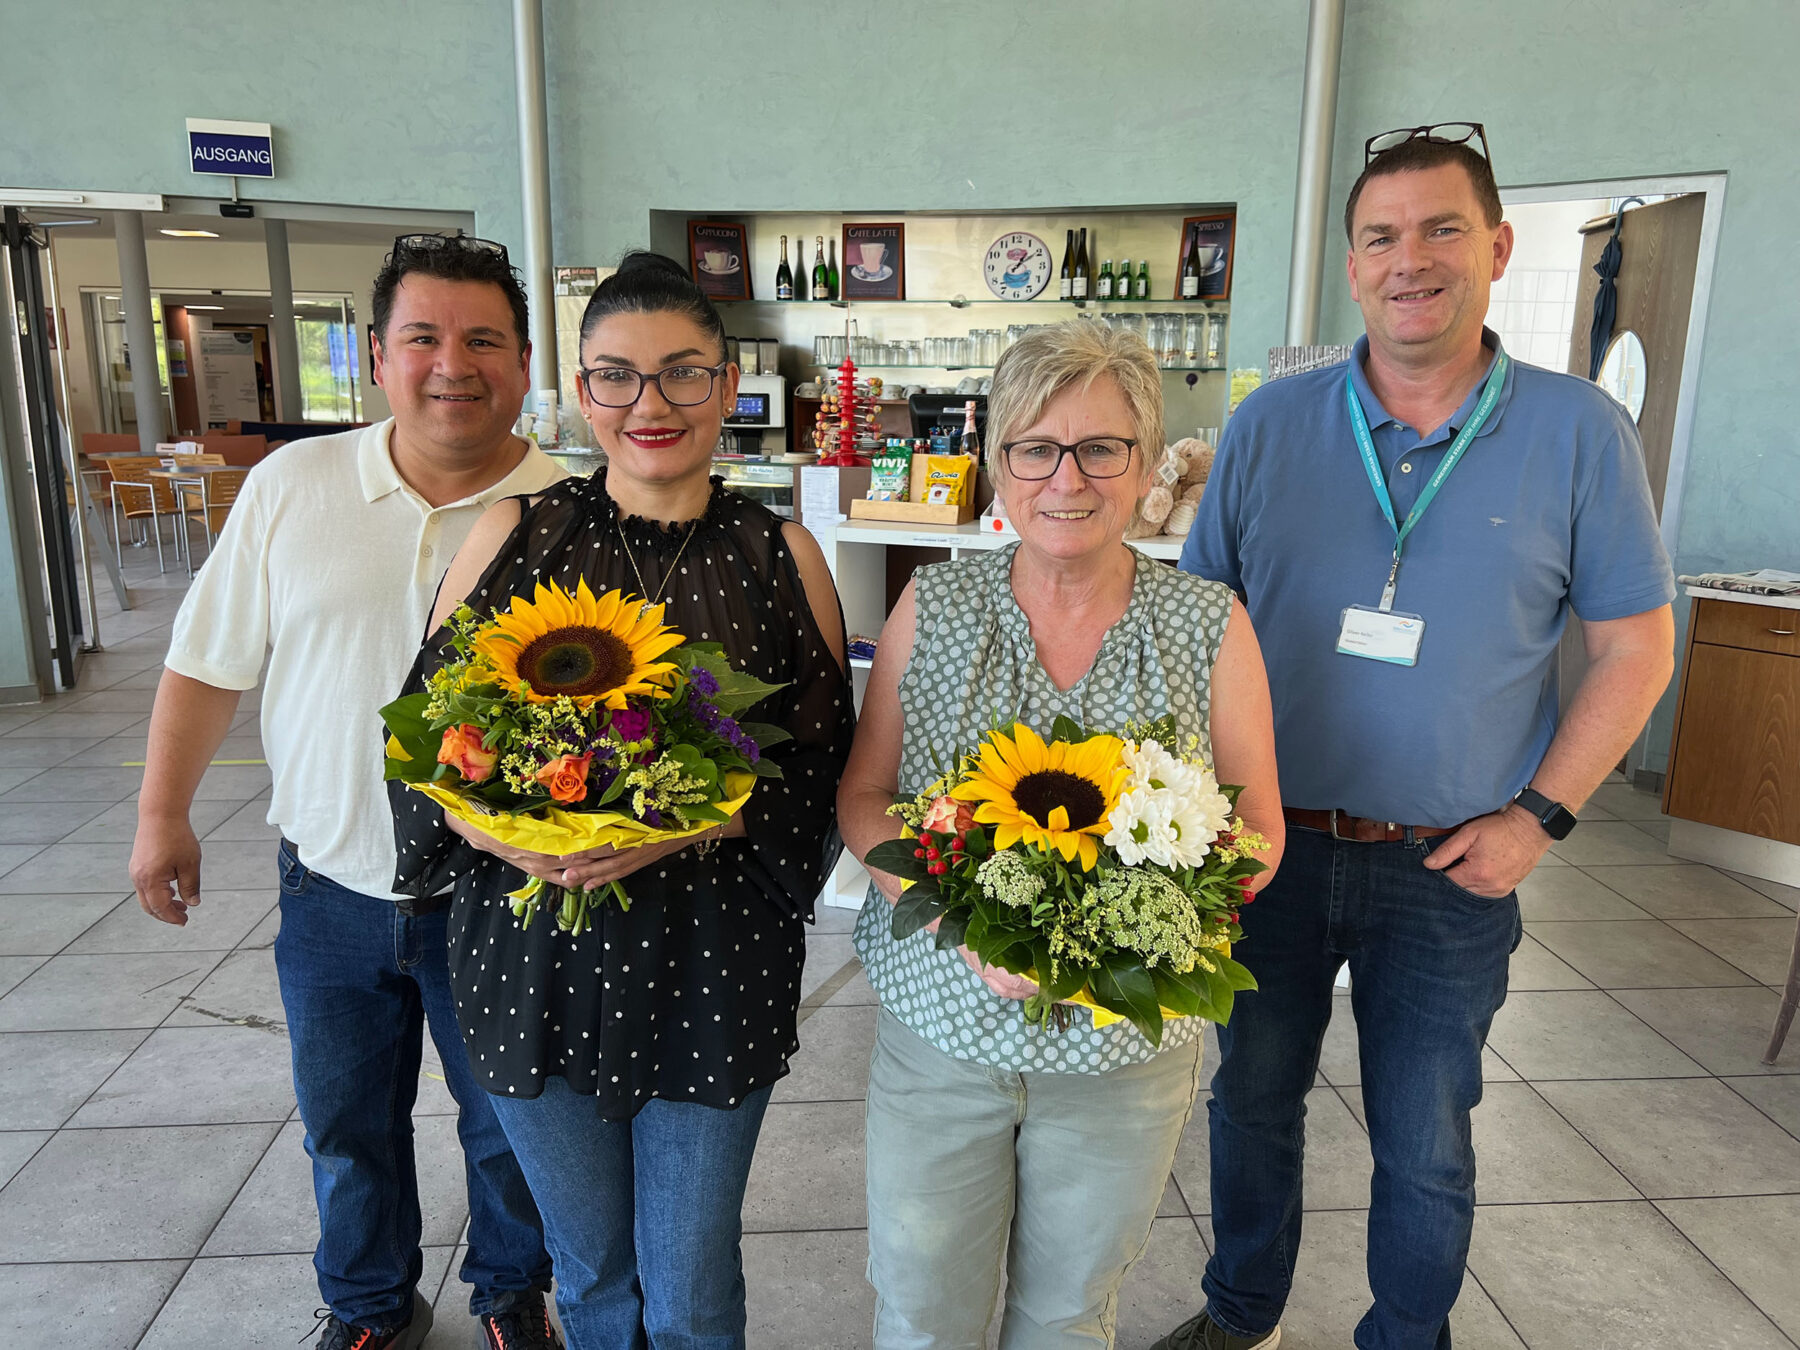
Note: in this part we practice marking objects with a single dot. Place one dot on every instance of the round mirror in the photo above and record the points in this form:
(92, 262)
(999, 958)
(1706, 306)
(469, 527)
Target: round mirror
(1624, 373)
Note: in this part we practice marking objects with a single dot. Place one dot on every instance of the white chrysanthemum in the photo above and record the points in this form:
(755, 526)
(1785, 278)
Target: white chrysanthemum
(1170, 812)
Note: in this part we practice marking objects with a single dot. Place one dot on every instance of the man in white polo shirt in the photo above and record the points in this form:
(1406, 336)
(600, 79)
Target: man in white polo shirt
(328, 566)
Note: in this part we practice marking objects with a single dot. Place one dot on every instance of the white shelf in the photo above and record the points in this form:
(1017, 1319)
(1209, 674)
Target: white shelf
(970, 536)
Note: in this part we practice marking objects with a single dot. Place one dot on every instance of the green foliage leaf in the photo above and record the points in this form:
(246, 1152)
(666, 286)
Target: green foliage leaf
(895, 856)
(1066, 729)
(765, 734)
(916, 909)
(952, 930)
(1234, 974)
(1125, 987)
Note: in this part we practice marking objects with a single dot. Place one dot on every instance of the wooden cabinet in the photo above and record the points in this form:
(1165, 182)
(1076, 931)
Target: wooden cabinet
(1735, 761)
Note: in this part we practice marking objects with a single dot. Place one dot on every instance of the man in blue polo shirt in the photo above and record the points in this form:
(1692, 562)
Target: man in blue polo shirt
(1411, 532)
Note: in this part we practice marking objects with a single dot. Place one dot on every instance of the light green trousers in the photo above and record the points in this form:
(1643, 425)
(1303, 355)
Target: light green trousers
(1056, 1174)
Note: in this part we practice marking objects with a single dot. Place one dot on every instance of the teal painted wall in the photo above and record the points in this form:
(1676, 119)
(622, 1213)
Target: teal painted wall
(778, 104)
(405, 103)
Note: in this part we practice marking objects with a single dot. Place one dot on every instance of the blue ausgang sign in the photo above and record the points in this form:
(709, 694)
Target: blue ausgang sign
(244, 149)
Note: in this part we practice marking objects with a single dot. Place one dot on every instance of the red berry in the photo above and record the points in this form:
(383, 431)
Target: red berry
(956, 844)
(933, 854)
(937, 869)
(918, 853)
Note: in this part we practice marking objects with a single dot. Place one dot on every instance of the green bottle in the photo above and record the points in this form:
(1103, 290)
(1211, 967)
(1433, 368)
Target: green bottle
(1143, 281)
(1106, 280)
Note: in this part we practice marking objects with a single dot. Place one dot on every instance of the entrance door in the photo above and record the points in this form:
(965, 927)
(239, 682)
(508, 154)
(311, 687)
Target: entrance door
(23, 249)
(1661, 248)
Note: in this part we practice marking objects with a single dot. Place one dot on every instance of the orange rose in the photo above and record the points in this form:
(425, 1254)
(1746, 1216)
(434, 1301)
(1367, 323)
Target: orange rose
(463, 751)
(948, 816)
(566, 777)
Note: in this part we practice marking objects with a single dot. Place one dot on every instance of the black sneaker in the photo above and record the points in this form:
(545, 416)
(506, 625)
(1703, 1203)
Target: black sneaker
(523, 1326)
(337, 1335)
(1202, 1333)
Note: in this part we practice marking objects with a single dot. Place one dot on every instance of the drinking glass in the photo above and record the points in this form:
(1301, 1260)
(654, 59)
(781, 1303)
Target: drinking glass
(1193, 339)
(1215, 339)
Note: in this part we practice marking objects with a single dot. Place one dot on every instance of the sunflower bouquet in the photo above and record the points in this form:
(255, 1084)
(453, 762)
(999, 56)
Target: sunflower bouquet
(569, 722)
(1109, 869)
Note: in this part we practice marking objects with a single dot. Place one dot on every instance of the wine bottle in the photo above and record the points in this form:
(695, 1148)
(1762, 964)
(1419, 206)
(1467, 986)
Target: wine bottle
(970, 445)
(1106, 281)
(1067, 290)
(821, 279)
(1122, 286)
(1190, 267)
(1142, 290)
(1078, 289)
(831, 272)
(784, 275)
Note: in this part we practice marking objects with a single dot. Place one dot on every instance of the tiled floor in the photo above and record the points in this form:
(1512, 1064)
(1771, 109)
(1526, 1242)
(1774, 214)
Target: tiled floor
(1640, 1170)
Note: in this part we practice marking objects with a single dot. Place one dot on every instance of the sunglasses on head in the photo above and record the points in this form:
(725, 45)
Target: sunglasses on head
(1444, 133)
(425, 243)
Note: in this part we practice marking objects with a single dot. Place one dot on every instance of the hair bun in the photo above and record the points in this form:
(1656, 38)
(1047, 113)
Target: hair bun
(643, 260)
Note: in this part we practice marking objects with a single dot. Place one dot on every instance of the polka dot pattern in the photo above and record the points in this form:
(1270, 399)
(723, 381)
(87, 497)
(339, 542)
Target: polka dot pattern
(691, 994)
(973, 657)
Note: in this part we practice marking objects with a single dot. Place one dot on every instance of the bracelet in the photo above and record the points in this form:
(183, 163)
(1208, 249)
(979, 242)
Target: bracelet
(702, 847)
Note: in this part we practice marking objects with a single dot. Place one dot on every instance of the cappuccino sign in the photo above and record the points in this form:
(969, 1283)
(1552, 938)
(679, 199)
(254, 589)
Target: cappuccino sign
(244, 149)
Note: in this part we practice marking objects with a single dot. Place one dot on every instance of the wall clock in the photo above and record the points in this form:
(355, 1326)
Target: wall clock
(1017, 266)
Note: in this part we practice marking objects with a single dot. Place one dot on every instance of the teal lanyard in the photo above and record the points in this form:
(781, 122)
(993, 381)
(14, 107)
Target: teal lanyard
(1490, 395)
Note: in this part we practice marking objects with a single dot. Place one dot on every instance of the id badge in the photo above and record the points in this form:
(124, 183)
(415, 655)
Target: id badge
(1379, 635)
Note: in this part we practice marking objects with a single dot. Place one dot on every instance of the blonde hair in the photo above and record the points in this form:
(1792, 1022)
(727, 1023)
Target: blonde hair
(1073, 354)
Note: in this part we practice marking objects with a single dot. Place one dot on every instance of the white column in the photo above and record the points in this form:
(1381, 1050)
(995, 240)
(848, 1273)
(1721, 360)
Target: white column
(534, 178)
(285, 345)
(140, 329)
(1312, 183)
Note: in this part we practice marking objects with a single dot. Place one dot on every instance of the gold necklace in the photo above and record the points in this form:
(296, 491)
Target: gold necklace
(632, 559)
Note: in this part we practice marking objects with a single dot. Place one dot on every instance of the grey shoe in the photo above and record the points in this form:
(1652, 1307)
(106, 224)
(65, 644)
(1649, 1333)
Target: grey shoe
(1202, 1333)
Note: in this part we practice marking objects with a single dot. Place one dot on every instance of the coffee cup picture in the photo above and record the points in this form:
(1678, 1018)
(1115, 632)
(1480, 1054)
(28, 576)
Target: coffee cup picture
(1207, 256)
(718, 260)
(875, 258)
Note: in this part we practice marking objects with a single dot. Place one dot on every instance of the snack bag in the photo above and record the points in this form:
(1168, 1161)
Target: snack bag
(891, 474)
(947, 479)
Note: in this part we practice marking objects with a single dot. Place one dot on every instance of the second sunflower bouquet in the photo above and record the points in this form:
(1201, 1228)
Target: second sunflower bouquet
(1109, 869)
(572, 721)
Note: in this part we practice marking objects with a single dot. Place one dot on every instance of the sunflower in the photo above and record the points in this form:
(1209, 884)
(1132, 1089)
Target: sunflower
(1054, 796)
(594, 651)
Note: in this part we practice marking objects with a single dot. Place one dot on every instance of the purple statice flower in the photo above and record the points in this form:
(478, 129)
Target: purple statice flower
(653, 817)
(703, 680)
(632, 724)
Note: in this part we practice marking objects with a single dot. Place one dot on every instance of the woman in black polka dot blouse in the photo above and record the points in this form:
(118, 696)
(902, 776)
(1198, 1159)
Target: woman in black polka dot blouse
(631, 1065)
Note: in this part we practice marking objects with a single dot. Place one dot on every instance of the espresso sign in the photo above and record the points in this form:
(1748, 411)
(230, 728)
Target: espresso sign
(719, 258)
(874, 262)
(242, 149)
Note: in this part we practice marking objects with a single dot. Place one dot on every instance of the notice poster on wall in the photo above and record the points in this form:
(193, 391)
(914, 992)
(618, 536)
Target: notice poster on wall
(228, 369)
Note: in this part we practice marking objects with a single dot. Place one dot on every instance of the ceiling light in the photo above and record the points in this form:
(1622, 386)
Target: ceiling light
(191, 234)
(192, 307)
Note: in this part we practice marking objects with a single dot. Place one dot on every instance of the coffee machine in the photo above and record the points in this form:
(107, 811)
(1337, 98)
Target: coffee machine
(757, 427)
(753, 439)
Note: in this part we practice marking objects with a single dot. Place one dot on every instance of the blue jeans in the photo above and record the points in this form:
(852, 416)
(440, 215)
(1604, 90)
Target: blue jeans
(1428, 963)
(360, 982)
(643, 1216)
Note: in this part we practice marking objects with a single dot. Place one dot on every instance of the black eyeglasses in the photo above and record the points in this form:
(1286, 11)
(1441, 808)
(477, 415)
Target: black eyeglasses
(1444, 133)
(1098, 457)
(429, 242)
(620, 386)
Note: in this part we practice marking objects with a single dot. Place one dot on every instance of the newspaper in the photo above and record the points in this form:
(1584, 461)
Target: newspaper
(1764, 581)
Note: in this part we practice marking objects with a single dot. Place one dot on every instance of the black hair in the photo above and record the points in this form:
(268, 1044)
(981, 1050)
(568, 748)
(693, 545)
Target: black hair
(1422, 153)
(651, 283)
(450, 261)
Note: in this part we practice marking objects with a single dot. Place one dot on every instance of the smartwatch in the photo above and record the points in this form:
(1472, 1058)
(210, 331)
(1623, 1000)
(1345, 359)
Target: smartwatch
(1556, 818)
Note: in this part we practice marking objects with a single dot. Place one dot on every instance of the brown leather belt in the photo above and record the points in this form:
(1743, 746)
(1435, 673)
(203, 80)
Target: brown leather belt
(1340, 825)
